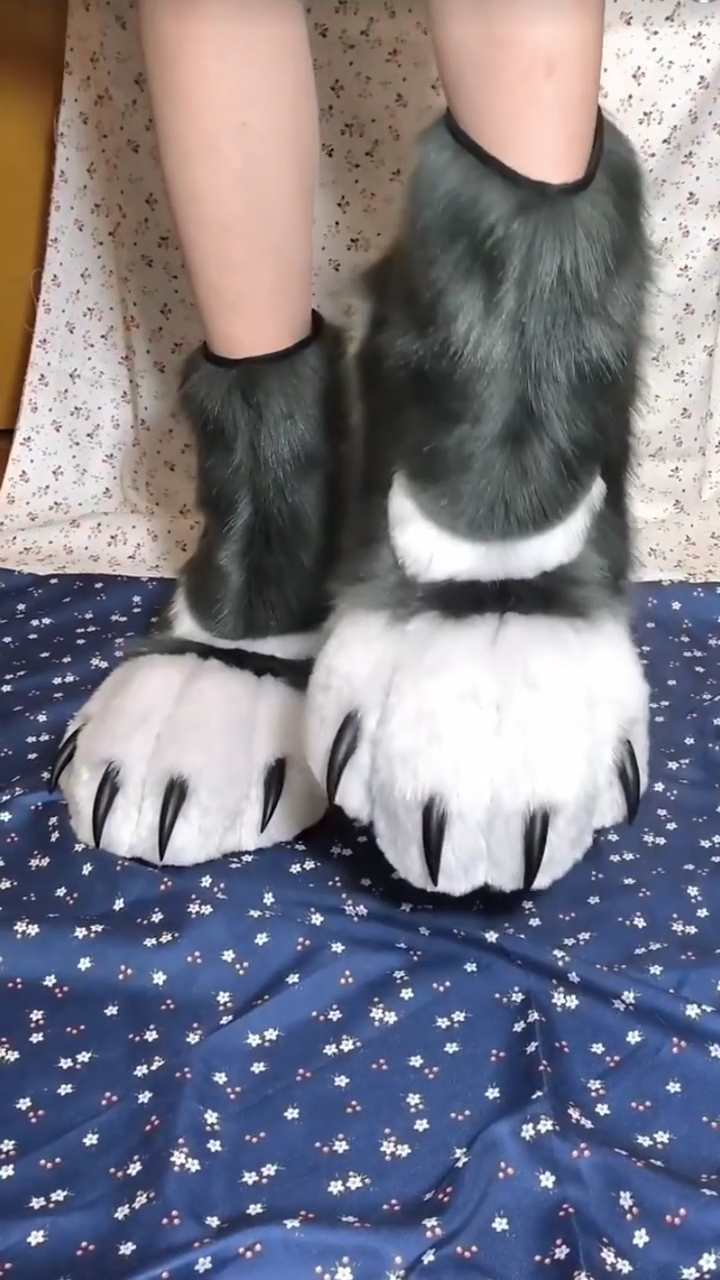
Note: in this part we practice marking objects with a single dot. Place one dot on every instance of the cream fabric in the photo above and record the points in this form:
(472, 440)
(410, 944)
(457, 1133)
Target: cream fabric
(101, 472)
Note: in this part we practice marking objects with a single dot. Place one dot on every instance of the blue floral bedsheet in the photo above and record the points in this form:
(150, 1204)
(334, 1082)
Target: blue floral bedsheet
(290, 1065)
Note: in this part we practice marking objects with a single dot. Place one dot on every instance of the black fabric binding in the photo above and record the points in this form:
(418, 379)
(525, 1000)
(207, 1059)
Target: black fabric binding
(521, 180)
(294, 672)
(270, 357)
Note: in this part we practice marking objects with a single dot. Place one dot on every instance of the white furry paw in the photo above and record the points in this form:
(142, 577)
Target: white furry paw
(486, 751)
(180, 759)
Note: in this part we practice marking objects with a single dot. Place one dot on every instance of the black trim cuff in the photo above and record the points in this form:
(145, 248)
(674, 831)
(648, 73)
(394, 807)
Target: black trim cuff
(227, 362)
(521, 180)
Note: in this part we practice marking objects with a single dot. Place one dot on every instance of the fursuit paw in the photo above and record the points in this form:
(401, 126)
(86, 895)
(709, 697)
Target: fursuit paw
(484, 752)
(180, 759)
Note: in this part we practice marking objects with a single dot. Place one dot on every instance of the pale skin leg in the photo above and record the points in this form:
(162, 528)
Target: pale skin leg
(233, 95)
(522, 78)
(234, 100)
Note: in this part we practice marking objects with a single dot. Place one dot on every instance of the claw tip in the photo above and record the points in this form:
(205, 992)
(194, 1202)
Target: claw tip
(174, 797)
(534, 844)
(344, 746)
(105, 797)
(63, 758)
(273, 784)
(629, 776)
(434, 826)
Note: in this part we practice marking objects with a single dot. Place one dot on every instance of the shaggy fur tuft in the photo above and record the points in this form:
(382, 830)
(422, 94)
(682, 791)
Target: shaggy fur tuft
(479, 700)
(267, 437)
(497, 373)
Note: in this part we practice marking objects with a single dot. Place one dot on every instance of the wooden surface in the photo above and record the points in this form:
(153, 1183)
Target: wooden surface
(32, 45)
(5, 443)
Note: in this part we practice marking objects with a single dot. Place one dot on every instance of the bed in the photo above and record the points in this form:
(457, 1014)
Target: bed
(291, 1065)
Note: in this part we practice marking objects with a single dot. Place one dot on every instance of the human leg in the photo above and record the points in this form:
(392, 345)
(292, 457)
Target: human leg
(522, 78)
(233, 95)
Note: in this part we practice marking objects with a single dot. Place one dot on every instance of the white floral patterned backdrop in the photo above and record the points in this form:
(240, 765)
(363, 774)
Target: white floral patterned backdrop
(101, 472)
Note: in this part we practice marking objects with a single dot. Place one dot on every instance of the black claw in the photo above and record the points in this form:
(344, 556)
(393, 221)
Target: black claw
(66, 751)
(535, 840)
(272, 790)
(105, 797)
(341, 753)
(629, 775)
(434, 826)
(175, 795)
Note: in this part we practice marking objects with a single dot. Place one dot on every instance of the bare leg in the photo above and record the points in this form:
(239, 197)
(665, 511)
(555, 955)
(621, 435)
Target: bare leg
(522, 78)
(233, 94)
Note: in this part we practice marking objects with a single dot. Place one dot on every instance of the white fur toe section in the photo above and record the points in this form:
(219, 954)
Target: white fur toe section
(493, 719)
(351, 676)
(218, 729)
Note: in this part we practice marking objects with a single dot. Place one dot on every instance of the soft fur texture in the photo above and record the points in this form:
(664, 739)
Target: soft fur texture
(179, 621)
(194, 749)
(498, 370)
(268, 436)
(492, 717)
(477, 698)
(162, 717)
(496, 382)
(431, 554)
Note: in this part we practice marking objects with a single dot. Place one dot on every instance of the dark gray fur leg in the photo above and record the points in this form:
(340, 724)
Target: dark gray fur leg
(498, 371)
(268, 435)
(496, 382)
